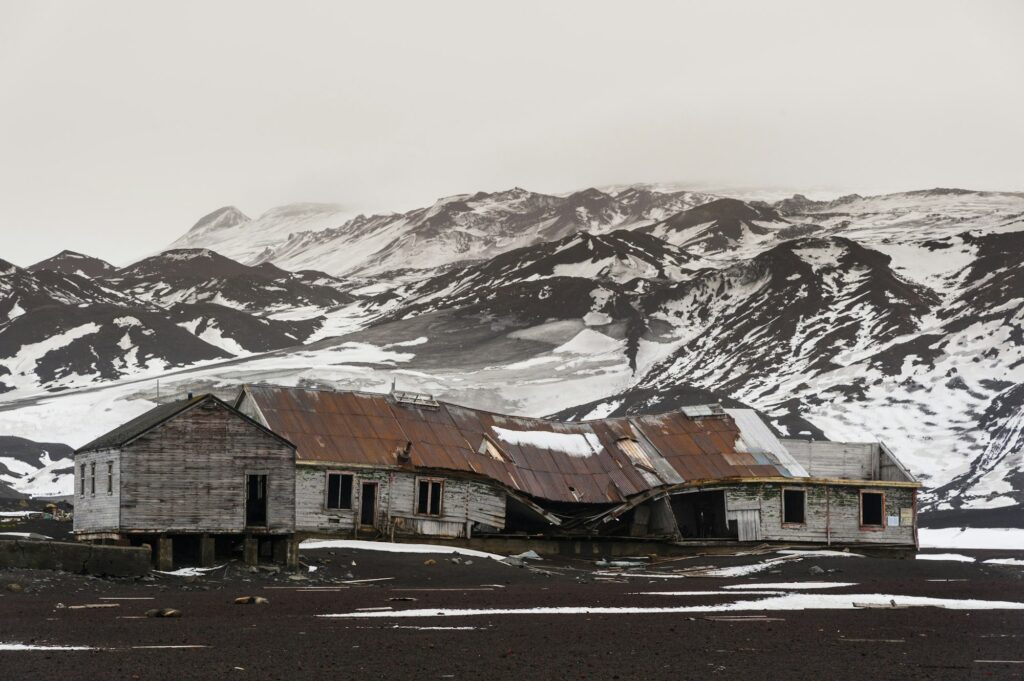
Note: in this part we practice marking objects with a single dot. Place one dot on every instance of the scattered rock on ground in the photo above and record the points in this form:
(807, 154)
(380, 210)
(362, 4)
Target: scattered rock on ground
(163, 612)
(527, 555)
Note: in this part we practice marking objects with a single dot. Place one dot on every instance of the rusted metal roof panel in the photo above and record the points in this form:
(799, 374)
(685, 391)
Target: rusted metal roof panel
(547, 459)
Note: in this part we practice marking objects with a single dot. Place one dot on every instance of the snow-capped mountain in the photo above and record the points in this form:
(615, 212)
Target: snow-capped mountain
(456, 228)
(64, 330)
(231, 233)
(895, 317)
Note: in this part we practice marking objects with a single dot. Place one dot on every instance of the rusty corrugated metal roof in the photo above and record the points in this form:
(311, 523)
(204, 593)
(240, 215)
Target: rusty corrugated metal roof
(576, 461)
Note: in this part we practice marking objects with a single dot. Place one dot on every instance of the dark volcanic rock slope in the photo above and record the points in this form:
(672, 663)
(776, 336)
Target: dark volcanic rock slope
(895, 317)
(70, 262)
(200, 275)
(22, 290)
(63, 345)
(73, 320)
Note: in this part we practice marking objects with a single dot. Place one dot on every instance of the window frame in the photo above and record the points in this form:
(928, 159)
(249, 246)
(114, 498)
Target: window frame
(440, 492)
(110, 478)
(871, 528)
(92, 479)
(782, 503)
(82, 476)
(351, 491)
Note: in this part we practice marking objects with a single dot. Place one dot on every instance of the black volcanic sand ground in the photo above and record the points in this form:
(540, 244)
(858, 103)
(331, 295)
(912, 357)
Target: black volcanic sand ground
(285, 640)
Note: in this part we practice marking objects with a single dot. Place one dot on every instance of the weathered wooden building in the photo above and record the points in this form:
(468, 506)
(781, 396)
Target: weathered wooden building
(195, 479)
(406, 465)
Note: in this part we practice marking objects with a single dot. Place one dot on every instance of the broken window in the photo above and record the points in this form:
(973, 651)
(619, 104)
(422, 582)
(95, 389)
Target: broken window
(110, 477)
(92, 478)
(339, 491)
(794, 504)
(81, 475)
(871, 509)
(428, 496)
(636, 453)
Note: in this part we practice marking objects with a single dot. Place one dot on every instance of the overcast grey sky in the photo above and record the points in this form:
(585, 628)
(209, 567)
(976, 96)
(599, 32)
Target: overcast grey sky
(121, 123)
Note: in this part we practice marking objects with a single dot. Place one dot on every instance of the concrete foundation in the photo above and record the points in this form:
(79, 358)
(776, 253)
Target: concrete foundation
(90, 559)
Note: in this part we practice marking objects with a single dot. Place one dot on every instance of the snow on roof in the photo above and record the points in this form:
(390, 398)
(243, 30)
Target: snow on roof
(573, 444)
(757, 438)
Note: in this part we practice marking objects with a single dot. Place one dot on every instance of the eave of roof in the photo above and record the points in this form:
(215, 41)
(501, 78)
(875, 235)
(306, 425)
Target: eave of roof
(128, 432)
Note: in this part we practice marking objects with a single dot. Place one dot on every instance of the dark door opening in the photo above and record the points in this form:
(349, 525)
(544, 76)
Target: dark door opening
(256, 500)
(368, 504)
(701, 515)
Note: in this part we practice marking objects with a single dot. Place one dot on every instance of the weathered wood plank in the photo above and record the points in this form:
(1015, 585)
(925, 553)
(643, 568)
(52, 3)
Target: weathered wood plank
(189, 474)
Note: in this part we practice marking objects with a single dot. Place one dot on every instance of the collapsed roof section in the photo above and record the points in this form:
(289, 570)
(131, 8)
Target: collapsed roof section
(604, 461)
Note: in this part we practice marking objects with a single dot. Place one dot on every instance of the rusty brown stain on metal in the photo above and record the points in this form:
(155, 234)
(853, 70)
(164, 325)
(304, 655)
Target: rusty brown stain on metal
(368, 429)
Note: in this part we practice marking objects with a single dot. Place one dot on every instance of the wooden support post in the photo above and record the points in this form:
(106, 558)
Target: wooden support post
(280, 546)
(207, 555)
(252, 550)
(292, 553)
(164, 554)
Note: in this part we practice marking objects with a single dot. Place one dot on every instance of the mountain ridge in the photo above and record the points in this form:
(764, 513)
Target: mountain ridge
(894, 317)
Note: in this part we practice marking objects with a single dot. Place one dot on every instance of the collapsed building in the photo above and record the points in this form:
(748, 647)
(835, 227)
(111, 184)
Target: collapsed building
(400, 465)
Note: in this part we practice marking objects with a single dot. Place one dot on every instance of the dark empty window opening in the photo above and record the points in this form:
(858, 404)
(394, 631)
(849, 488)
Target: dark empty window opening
(793, 506)
(92, 478)
(339, 491)
(871, 507)
(428, 497)
(81, 474)
(110, 477)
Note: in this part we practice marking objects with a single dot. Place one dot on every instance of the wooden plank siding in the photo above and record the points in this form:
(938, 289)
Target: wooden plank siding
(847, 460)
(832, 513)
(188, 475)
(99, 511)
(462, 501)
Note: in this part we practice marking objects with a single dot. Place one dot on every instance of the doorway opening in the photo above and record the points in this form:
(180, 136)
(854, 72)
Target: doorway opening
(256, 500)
(368, 504)
(701, 515)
